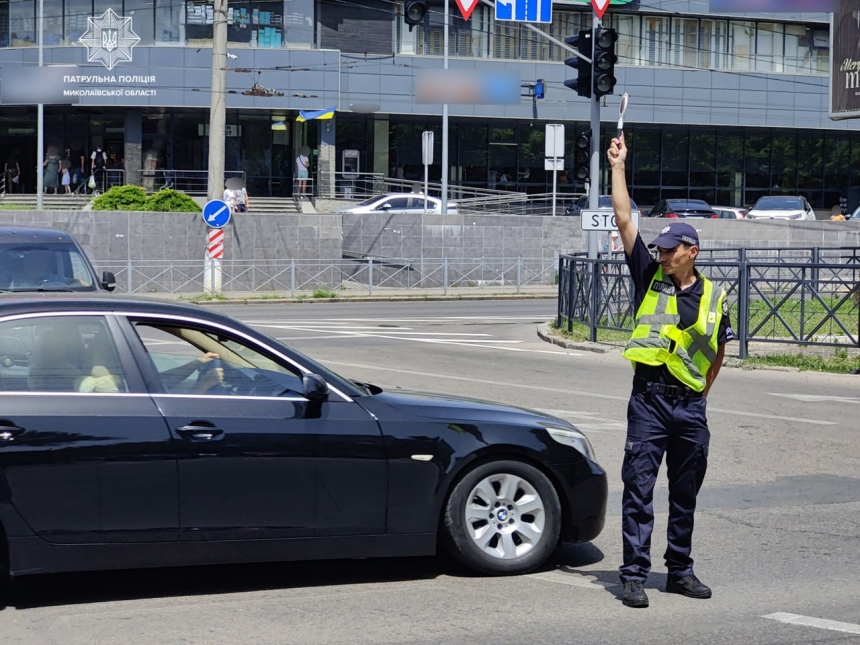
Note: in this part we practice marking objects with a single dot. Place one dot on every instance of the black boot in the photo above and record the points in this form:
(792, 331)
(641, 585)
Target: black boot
(634, 595)
(689, 586)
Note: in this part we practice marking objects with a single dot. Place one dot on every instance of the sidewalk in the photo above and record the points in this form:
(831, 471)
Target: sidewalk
(380, 294)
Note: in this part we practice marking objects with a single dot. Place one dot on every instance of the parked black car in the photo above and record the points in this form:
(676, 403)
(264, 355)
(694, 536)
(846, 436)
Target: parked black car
(681, 208)
(575, 208)
(44, 259)
(143, 433)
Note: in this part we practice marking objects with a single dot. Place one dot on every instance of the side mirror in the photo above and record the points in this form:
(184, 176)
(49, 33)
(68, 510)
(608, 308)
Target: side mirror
(109, 280)
(314, 387)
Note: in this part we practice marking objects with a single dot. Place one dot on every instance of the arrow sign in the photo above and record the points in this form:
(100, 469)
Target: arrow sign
(600, 7)
(216, 214)
(467, 7)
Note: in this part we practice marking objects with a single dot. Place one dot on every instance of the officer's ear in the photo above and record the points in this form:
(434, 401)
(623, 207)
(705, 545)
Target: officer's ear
(694, 252)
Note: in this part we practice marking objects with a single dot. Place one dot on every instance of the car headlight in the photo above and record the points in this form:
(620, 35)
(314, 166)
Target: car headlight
(798, 216)
(574, 439)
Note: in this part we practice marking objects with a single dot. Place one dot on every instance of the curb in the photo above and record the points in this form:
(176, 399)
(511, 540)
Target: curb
(400, 298)
(544, 332)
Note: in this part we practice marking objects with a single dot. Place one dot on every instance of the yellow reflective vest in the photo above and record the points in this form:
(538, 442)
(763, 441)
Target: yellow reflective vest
(658, 340)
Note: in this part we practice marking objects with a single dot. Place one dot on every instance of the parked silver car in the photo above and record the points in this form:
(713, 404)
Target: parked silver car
(399, 204)
(782, 207)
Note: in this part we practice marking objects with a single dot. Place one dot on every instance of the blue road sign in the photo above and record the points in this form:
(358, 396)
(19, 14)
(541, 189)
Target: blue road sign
(524, 10)
(216, 214)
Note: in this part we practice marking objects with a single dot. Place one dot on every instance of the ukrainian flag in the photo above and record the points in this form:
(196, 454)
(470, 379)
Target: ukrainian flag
(310, 115)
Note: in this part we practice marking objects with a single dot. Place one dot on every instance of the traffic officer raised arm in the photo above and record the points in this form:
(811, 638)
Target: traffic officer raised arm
(677, 349)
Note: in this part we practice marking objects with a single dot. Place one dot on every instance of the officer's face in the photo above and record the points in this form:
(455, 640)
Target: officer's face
(678, 259)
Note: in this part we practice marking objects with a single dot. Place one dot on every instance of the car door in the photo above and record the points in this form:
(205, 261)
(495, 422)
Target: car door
(85, 455)
(395, 205)
(257, 459)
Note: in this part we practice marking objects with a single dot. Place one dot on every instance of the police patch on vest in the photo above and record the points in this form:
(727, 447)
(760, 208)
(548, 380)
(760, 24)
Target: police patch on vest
(663, 287)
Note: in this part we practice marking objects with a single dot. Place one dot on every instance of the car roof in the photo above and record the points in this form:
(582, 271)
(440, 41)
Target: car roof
(53, 302)
(13, 234)
(688, 202)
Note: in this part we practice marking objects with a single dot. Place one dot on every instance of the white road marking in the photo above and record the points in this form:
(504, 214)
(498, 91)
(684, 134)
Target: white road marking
(592, 422)
(817, 398)
(574, 580)
(543, 388)
(819, 623)
(430, 319)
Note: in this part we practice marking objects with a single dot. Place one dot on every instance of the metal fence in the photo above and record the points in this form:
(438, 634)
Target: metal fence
(191, 182)
(372, 275)
(798, 296)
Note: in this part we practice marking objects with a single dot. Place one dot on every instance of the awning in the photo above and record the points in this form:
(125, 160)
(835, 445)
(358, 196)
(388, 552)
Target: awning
(310, 115)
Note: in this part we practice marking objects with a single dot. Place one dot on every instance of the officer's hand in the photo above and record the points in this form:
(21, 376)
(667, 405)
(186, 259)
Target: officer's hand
(617, 152)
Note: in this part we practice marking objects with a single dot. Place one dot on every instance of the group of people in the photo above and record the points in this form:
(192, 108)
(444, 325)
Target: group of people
(236, 198)
(65, 172)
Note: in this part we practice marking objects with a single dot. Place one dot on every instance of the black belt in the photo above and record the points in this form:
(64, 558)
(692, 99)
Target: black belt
(661, 389)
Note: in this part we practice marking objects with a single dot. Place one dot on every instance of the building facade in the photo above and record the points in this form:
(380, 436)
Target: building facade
(724, 108)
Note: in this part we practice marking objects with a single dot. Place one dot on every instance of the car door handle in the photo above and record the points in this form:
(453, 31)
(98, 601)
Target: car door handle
(9, 432)
(199, 432)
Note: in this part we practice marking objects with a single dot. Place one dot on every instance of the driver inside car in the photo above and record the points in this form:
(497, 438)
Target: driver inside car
(36, 270)
(209, 374)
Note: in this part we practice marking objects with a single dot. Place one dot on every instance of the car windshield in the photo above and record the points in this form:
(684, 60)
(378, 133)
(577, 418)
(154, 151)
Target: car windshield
(44, 267)
(778, 204)
(606, 202)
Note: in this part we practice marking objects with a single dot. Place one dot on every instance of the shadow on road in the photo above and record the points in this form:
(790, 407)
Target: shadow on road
(109, 586)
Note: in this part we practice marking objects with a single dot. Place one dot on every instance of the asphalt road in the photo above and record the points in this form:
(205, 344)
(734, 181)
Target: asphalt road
(777, 535)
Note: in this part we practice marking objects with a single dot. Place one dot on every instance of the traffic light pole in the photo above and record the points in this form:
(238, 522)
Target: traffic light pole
(445, 169)
(594, 165)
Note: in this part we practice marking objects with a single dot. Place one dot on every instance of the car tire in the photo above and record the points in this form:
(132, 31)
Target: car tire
(502, 518)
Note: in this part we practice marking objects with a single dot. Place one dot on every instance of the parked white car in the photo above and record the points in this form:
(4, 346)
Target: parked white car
(778, 207)
(399, 204)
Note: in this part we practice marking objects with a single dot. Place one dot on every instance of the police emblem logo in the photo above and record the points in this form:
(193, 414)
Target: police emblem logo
(663, 287)
(109, 39)
(665, 230)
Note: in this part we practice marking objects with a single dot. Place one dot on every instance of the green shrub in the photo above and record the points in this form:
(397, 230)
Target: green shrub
(168, 200)
(121, 198)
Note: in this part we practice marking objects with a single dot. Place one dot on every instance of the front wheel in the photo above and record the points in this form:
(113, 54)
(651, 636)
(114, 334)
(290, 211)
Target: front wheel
(503, 518)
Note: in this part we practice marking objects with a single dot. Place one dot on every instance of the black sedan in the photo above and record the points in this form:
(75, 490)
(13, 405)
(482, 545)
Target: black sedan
(144, 433)
(682, 208)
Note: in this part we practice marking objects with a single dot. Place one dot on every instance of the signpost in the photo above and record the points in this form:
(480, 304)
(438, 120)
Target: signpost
(216, 215)
(427, 159)
(554, 153)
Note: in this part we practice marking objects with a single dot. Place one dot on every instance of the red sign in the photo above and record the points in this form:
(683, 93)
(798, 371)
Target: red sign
(468, 6)
(600, 7)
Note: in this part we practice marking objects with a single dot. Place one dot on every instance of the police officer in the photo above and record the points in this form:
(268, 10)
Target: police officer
(677, 349)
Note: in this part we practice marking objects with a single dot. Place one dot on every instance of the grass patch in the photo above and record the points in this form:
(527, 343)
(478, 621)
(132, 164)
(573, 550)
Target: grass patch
(323, 293)
(581, 333)
(811, 315)
(839, 363)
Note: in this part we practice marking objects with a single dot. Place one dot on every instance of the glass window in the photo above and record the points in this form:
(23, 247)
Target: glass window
(655, 41)
(31, 266)
(192, 360)
(473, 153)
(169, 27)
(714, 44)
(503, 158)
(645, 151)
(398, 203)
(4, 23)
(685, 42)
(77, 14)
(741, 45)
(730, 168)
(769, 47)
(703, 158)
(676, 157)
(22, 22)
(797, 55)
(143, 19)
(810, 149)
(757, 160)
(52, 32)
(629, 29)
(60, 354)
(532, 147)
(784, 162)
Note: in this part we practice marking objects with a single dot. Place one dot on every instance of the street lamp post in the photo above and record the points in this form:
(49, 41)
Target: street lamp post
(445, 170)
(40, 117)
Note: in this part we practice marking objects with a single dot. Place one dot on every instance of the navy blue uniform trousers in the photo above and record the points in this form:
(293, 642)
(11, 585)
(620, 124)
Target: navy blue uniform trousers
(678, 427)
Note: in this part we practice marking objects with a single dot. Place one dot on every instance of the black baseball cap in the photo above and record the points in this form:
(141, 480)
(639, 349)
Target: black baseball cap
(675, 234)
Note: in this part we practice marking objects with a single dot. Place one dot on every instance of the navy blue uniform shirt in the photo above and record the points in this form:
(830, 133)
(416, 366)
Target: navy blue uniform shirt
(643, 267)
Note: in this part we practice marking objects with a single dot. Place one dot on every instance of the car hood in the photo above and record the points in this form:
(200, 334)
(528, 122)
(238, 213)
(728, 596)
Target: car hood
(441, 406)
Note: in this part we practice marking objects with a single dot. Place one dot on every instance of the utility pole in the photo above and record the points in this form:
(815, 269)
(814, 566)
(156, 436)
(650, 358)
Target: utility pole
(217, 102)
(40, 118)
(445, 168)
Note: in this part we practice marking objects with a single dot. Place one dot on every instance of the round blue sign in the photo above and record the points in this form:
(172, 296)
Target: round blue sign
(216, 214)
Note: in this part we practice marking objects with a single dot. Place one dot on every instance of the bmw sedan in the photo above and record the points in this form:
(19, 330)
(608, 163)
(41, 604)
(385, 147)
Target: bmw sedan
(399, 204)
(144, 433)
(682, 208)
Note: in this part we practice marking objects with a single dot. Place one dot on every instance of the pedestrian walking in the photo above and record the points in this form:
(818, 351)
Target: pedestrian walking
(677, 349)
(51, 177)
(66, 180)
(303, 164)
(98, 163)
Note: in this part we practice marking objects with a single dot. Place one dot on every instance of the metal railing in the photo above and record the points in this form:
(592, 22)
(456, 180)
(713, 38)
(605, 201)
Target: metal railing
(191, 182)
(361, 273)
(796, 296)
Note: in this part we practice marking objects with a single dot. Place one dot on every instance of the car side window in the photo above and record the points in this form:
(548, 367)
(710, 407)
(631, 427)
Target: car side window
(60, 354)
(397, 203)
(196, 360)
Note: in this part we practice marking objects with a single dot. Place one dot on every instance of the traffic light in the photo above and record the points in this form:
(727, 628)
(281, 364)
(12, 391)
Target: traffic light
(604, 61)
(582, 42)
(582, 156)
(414, 12)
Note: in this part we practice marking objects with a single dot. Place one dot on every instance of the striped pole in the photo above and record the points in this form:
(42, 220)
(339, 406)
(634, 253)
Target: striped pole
(215, 245)
(214, 254)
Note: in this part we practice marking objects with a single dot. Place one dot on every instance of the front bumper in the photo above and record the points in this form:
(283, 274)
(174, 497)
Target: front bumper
(585, 504)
